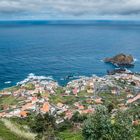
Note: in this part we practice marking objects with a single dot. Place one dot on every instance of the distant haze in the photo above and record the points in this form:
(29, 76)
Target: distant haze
(69, 9)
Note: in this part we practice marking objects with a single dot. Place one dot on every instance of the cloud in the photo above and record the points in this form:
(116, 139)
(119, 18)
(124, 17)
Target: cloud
(69, 8)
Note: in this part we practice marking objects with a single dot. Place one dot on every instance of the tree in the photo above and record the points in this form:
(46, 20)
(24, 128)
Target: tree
(101, 126)
(97, 126)
(77, 117)
(64, 126)
(110, 107)
(122, 127)
(44, 126)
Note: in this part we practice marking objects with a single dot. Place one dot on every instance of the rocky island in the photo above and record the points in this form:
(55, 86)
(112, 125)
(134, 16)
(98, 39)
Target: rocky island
(121, 60)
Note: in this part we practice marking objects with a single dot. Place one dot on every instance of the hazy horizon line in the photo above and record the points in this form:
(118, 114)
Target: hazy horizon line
(70, 21)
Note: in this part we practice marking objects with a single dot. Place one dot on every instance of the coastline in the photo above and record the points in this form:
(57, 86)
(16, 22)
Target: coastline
(32, 76)
(45, 92)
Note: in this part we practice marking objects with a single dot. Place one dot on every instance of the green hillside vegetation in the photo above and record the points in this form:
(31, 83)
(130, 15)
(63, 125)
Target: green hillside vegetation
(10, 131)
(8, 100)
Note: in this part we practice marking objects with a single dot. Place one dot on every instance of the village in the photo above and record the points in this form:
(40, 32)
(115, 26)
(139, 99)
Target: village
(38, 94)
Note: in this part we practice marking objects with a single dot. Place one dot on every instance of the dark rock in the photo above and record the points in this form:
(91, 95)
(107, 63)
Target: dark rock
(121, 60)
(112, 72)
(119, 70)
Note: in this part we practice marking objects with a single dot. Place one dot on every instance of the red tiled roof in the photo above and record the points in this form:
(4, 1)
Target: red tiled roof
(46, 107)
(23, 113)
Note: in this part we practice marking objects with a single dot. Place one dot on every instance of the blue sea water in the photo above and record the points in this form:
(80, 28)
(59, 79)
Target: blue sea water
(62, 49)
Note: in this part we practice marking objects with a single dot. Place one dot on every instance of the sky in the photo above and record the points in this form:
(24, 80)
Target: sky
(69, 9)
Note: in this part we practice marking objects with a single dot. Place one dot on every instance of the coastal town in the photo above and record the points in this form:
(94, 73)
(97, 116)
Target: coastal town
(37, 94)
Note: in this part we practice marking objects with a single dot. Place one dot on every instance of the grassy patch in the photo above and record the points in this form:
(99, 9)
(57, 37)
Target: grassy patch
(69, 135)
(29, 86)
(63, 99)
(6, 134)
(8, 100)
(84, 93)
(15, 129)
(59, 90)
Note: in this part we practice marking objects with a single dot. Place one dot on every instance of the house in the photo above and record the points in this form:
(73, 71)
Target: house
(68, 114)
(81, 107)
(133, 99)
(29, 106)
(33, 99)
(75, 91)
(15, 112)
(114, 91)
(58, 121)
(60, 105)
(83, 88)
(6, 93)
(98, 101)
(45, 108)
(67, 91)
(130, 96)
(136, 123)
(90, 91)
(87, 111)
(23, 114)
(2, 114)
(53, 110)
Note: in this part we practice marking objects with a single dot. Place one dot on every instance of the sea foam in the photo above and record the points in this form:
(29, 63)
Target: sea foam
(32, 76)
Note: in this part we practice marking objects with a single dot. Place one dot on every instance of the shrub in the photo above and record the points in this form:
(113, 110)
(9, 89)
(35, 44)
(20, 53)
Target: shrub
(101, 126)
(44, 126)
(77, 117)
(64, 126)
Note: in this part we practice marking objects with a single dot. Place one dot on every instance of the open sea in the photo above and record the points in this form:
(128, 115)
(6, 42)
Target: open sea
(61, 49)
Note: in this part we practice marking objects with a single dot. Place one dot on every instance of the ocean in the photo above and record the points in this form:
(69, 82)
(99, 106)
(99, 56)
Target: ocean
(63, 49)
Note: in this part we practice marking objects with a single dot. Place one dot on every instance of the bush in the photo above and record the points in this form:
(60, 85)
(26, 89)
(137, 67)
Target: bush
(78, 118)
(101, 126)
(64, 126)
(44, 126)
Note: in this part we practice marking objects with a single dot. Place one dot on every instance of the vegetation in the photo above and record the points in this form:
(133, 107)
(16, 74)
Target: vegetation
(101, 126)
(8, 100)
(29, 86)
(137, 132)
(70, 135)
(59, 90)
(11, 131)
(6, 134)
(63, 99)
(78, 118)
(44, 126)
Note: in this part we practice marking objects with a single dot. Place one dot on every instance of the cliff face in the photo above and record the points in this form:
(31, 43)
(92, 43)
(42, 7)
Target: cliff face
(121, 60)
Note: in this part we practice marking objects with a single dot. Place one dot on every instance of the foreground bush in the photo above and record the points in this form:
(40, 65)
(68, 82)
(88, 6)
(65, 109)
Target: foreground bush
(101, 126)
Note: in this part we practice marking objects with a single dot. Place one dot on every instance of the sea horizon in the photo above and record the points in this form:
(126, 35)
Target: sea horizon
(70, 21)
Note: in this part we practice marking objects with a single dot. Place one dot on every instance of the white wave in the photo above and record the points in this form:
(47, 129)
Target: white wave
(7, 82)
(32, 76)
(135, 59)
